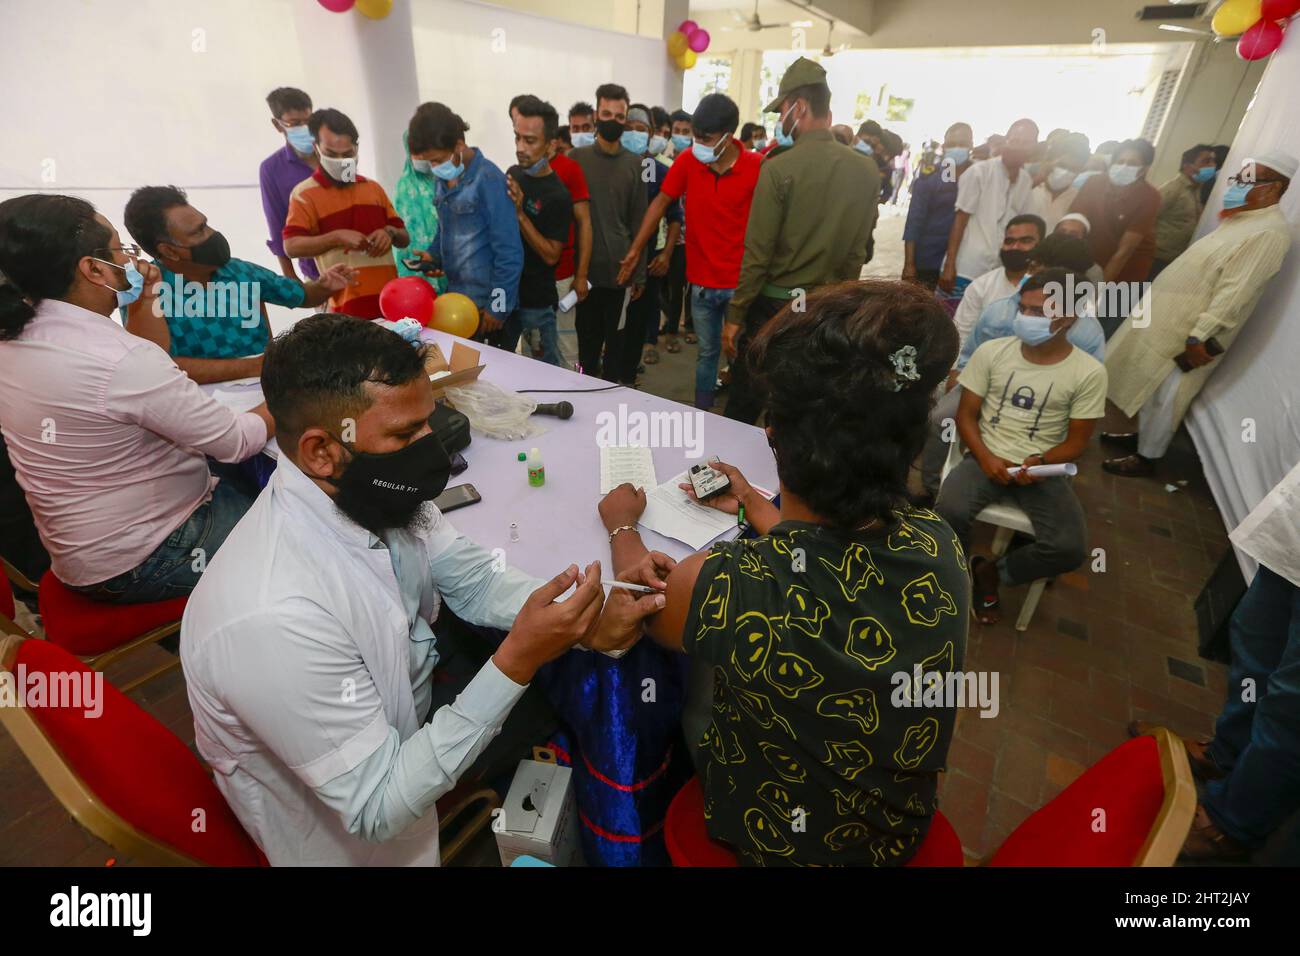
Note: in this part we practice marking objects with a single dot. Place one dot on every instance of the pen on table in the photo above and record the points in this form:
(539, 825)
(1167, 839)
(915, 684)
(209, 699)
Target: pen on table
(629, 587)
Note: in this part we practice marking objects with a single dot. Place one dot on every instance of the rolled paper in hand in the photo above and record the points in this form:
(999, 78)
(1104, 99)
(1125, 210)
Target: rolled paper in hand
(1048, 471)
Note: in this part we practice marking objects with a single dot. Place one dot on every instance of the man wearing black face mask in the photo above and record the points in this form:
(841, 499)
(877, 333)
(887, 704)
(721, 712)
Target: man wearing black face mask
(1022, 234)
(618, 202)
(311, 643)
(206, 309)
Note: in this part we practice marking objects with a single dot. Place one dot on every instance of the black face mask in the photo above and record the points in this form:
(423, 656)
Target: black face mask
(386, 492)
(609, 130)
(1015, 259)
(212, 251)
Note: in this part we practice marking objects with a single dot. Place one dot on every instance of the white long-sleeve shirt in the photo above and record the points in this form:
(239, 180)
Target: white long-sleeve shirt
(307, 657)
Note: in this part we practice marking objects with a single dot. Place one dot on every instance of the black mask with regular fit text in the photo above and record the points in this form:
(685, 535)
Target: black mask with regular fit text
(382, 492)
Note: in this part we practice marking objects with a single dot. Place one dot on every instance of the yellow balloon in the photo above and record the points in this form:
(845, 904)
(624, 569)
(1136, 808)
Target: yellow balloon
(1236, 17)
(678, 44)
(687, 60)
(375, 9)
(455, 313)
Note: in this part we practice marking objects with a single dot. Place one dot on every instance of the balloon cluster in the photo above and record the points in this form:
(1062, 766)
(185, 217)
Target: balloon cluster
(1258, 24)
(688, 41)
(374, 9)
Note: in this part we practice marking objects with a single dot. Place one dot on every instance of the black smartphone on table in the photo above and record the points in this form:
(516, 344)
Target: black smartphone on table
(457, 496)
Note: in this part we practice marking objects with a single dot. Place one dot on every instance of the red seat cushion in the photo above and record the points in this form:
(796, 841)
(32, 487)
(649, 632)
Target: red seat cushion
(689, 843)
(137, 767)
(1126, 783)
(86, 627)
(6, 598)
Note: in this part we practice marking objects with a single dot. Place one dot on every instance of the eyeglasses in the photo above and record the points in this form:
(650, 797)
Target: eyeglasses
(131, 250)
(1250, 181)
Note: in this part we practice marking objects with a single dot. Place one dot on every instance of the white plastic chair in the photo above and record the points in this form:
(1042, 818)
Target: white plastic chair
(1008, 518)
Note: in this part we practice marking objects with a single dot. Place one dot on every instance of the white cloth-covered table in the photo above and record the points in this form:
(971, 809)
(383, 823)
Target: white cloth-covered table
(558, 523)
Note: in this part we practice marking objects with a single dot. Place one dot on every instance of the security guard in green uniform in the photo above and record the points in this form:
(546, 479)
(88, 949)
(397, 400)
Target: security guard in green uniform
(813, 212)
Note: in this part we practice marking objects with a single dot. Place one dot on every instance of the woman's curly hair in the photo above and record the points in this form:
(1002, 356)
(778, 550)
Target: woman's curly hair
(847, 400)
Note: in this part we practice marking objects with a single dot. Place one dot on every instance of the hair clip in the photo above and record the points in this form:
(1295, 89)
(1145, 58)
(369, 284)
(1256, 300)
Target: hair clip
(904, 362)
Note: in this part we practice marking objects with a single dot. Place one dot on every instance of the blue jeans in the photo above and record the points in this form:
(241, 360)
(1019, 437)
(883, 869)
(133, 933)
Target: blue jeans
(1258, 742)
(542, 319)
(174, 568)
(708, 309)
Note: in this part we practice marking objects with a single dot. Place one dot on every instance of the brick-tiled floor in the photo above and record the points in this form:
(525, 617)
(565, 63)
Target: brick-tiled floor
(1104, 647)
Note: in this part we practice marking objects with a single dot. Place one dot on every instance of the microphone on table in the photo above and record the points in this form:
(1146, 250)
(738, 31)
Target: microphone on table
(558, 409)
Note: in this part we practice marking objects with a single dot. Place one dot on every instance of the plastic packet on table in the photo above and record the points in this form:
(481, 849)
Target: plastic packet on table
(495, 412)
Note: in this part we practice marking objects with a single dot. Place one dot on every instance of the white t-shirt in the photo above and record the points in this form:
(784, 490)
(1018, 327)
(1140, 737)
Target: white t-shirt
(986, 193)
(980, 294)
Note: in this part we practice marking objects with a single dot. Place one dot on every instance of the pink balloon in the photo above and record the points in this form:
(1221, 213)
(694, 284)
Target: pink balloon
(1260, 40)
(337, 6)
(698, 40)
(1280, 9)
(688, 27)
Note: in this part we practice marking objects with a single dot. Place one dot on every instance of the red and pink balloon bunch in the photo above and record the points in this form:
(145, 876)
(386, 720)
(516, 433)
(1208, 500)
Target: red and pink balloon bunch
(687, 42)
(1258, 24)
(374, 9)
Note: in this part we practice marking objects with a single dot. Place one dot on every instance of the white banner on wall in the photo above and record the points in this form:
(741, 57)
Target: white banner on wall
(1246, 421)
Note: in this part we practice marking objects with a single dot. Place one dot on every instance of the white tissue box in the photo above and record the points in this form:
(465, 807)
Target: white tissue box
(538, 817)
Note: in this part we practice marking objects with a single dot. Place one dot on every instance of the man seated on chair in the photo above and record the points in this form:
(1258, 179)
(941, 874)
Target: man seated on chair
(310, 643)
(808, 635)
(1029, 399)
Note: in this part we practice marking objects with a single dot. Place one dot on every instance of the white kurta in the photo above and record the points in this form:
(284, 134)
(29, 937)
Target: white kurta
(1207, 292)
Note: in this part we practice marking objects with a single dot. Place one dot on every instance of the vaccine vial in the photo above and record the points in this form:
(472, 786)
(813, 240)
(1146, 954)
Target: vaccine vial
(514, 531)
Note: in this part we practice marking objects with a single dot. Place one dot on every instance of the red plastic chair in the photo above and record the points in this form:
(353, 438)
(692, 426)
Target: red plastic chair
(100, 633)
(689, 843)
(120, 773)
(1131, 808)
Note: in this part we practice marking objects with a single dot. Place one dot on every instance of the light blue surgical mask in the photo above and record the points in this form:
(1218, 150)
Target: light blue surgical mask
(1205, 174)
(1032, 329)
(657, 145)
(1234, 197)
(582, 139)
(958, 155)
(782, 137)
(134, 279)
(705, 154)
(1123, 175)
(681, 143)
(422, 166)
(634, 141)
(300, 139)
(448, 171)
(537, 167)
(863, 147)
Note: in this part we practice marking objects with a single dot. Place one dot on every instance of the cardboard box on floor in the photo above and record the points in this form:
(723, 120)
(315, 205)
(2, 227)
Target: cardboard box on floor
(464, 367)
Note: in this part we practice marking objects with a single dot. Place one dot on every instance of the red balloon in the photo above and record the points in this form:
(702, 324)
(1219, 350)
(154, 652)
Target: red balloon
(698, 40)
(337, 6)
(409, 297)
(1260, 40)
(687, 26)
(1280, 9)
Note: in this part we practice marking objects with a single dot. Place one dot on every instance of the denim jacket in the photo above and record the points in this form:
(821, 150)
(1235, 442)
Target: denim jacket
(478, 244)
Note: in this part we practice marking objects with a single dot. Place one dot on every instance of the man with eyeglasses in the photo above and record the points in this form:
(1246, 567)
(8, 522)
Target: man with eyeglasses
(286, 168)
(112, 443)
(715, 176)
(1162, 357)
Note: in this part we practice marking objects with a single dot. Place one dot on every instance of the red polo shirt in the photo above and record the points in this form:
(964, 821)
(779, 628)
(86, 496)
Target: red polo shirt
(717, 209)
(575, 182)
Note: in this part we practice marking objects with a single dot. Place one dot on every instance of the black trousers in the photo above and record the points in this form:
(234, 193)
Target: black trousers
(676, 300)
(597, 326)
(640, 315)
(746, 402)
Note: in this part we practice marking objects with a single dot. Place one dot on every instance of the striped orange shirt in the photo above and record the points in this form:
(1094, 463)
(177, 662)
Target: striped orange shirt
(319, 205)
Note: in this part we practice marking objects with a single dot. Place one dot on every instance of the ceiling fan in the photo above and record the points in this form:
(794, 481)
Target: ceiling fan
(754, 23)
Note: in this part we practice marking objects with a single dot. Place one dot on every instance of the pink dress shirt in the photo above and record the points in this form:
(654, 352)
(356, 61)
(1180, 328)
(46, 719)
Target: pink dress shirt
(108, 437)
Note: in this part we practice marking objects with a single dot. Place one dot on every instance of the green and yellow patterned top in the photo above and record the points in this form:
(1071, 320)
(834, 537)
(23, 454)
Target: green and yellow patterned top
(821, 750)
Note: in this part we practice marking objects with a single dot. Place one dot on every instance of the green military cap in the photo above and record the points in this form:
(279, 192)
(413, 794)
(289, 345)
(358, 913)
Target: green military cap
(802, 72)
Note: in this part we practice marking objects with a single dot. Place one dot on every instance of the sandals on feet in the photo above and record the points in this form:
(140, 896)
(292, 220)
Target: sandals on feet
(987, 605)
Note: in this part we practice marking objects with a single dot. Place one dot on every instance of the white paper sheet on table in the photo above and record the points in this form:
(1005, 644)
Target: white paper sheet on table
(238, 399)
(625, 463)
(671, 513)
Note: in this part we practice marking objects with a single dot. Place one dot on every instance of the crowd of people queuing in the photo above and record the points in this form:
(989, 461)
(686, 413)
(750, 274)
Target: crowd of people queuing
(662, 224)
